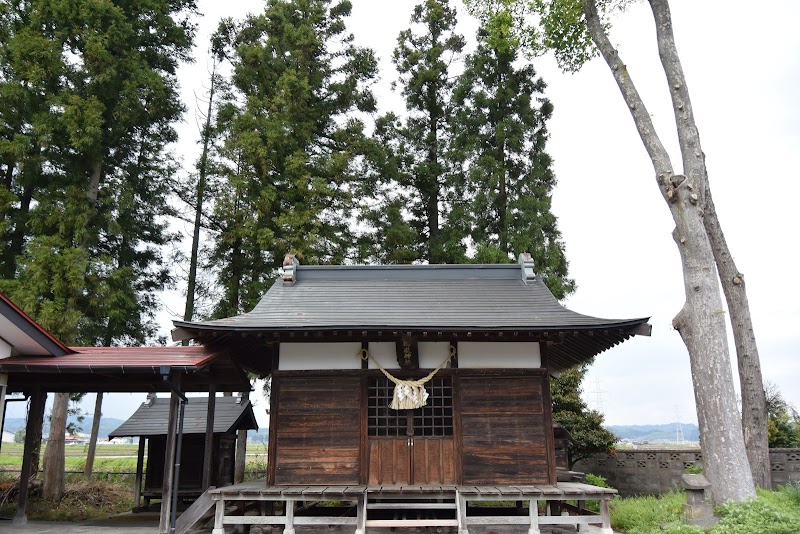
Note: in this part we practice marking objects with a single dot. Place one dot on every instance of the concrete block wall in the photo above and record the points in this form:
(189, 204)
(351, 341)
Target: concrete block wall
(657, 471)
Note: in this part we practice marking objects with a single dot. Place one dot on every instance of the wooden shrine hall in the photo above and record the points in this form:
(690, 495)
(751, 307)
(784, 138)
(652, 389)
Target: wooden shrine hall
(408, 388)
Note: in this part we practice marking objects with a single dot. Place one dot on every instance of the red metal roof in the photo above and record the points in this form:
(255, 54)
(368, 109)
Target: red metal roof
(125, 359)
(33, 323)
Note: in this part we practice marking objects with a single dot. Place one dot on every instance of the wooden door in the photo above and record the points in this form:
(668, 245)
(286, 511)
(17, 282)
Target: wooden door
(411, 446)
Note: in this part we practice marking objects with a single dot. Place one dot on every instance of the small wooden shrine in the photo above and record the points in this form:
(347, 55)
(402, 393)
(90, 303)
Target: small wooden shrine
(354, 349)
(150, 424)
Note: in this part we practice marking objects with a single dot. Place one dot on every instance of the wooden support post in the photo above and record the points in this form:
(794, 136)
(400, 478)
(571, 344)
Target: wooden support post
(169, 461)
(3, 386)
(289, 529)
(137, 483)
(219, 513)
(462, 514)
(606, 516)
(533, 514)
(240, 461)
(31, 452)
(208, 452)
(361, 514)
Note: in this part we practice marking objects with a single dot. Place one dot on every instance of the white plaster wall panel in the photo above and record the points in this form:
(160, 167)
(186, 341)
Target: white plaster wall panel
(5, 349)
(432, 353)
(316, 356)
(494, 355)
(385, 353)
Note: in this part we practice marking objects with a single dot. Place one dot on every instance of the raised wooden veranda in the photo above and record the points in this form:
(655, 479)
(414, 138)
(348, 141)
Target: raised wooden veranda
(440, 506)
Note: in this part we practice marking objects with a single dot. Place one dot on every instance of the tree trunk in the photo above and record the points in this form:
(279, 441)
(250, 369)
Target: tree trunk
(701, 321)
(754, 402)
(19, 233)
(755, 415)
(53, 487)
(241, 450)
(98, 406)
(188, 312)
(701, 324)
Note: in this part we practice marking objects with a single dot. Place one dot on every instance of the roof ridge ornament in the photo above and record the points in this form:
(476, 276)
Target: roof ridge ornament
(290, 265)
(526, 262)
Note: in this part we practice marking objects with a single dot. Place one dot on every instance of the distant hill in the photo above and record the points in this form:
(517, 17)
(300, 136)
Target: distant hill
(107, 425)
(655, 433)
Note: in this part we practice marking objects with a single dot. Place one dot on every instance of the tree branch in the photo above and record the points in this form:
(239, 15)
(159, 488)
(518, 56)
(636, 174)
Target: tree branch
(641, 117)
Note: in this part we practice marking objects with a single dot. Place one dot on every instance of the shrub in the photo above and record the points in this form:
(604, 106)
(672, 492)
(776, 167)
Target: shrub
(596, 480)
(776, 512)
(644, 515)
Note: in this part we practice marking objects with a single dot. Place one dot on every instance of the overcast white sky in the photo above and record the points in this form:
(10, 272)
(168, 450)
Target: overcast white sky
(743, 69)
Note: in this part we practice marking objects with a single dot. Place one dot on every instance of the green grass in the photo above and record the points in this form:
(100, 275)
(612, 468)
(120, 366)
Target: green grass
(773, 512)
(644, 515)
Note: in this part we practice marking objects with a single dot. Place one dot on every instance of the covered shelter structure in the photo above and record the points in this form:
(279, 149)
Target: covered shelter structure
(34, 363)
(149, 423)
(411, 383)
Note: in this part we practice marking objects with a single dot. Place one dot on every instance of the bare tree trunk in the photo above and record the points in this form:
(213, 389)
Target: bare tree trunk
(701, 321)
(754, 402)
(98, 407)
(755, 415)
(53, 486)
(241, 450)
(188, 313)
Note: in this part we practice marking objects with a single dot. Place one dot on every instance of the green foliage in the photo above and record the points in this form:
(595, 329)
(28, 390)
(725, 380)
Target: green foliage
(287, 167)
(500, 140)
(19, 436)
(776, 512)
(417, 187)
(89, 95)
(596, 480)
(570, 411)
(694, 470)
(557, 26)
(783, 426)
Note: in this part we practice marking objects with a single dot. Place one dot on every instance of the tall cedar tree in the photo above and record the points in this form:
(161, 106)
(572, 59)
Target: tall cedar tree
(576, 31)
(418, 182)
(499, 139)
(94, 94)
(292, 141)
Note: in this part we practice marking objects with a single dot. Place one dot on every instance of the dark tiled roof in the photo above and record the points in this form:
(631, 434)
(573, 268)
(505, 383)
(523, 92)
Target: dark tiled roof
(152, 420)
(491, 299)
(446, 297)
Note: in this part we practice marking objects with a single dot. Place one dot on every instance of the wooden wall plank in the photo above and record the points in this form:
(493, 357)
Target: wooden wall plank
(318, 439)
(502, 427)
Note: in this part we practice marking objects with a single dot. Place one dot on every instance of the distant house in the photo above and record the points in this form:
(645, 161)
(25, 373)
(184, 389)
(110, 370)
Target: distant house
(8, 437)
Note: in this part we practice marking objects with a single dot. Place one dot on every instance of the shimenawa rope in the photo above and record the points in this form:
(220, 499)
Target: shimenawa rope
(408, 394)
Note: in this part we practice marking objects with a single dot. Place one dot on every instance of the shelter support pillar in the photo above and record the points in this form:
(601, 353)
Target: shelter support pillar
(3, 386)
(137, 484)
(33, 437)
(241, 447)
(169, 461)
(208, 452)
